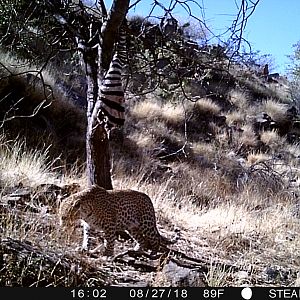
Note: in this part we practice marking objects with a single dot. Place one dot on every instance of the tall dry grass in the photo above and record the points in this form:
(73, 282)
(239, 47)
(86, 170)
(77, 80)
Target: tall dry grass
(239, 211)
(22, 166)
(218, 219)
(245, 227)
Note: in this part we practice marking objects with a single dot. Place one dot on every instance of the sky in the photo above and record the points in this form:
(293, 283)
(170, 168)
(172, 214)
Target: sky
(273, 28)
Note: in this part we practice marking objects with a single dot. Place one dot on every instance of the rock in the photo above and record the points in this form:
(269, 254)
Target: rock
(182, 277)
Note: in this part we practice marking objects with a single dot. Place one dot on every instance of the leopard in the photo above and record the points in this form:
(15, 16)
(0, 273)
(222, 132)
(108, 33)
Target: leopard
(113, 211)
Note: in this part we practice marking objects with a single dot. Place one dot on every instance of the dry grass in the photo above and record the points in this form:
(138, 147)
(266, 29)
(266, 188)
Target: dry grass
(243, 215)
(206, 106)
(218, 222)
(146, 110)
(293, 149)
(143, 141)
(276, 110)
(282, 91)
(173, 114)
(272, 139)
(248, 136)
(239, 99)
(254, 158)
(236, 118)
(19, 165)
(218, 276)
(244, 228)
(261, 90)
(204, 150)
(151, 110)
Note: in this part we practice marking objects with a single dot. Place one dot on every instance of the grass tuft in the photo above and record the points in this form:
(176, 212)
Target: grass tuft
(206, 106)
(19, 165)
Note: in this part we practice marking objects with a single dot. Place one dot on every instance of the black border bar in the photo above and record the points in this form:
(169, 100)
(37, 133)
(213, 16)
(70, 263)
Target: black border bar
(127, 293)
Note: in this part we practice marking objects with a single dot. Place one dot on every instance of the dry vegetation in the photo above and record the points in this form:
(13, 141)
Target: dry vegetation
(230, 190)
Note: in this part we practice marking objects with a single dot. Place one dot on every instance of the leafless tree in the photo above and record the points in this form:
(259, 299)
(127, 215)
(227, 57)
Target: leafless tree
(93, 29)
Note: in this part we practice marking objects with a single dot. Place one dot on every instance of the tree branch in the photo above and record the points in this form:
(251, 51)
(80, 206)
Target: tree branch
(110, 28)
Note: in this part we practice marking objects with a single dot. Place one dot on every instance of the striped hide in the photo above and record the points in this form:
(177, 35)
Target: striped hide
(112, 92)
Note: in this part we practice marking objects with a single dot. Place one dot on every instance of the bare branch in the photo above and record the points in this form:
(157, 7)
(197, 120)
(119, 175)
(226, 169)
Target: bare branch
(110, 28)
(134, 4)
(240, 22)
(14, 106)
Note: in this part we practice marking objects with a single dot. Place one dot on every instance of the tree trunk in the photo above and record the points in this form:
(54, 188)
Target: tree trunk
(97, 142)
(98, 158)
(95, 40)
(97, 60)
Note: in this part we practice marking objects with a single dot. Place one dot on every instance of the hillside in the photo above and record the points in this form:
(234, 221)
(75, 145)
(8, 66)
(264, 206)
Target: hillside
(221, 165)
